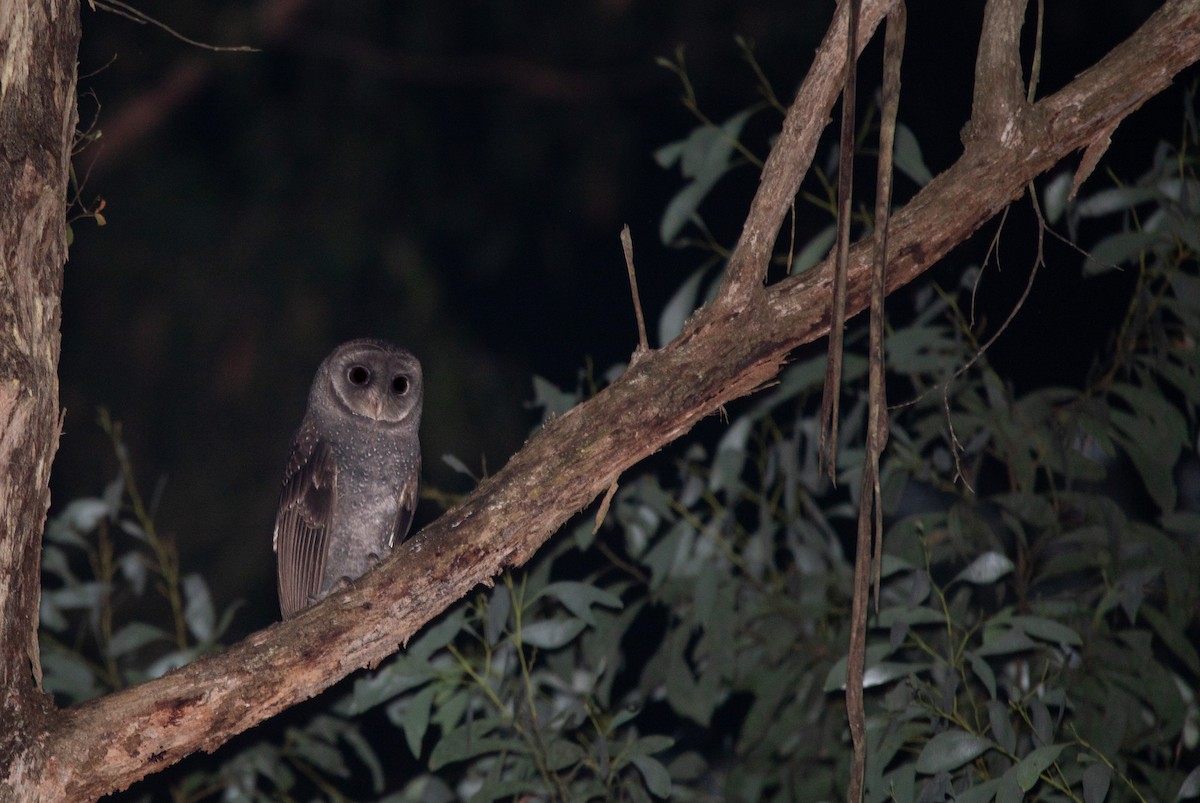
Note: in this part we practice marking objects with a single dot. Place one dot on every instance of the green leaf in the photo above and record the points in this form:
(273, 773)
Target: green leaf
(815, 250)
(1116, 250)
(471, 740)
(681, 305)
(1009, 790)
(1030, 768)
(390, 680)
(366, 753)
(68, 674)
(198, 609)
(134, 636)
(1153, 435)
(1055, 196)
(1047, 630)
(553, 633)
(705, 156)
(1001, 726)
(432, 639)
(321, 753)
(1096, 779)
(1177, 641)
(578, 598)
(690, 697)
(987, 568)
(651, 744)
(985, 674)
(1032, 508)
(561, 754)
(658, 780)
(906, 156)
(1004, 641)
(730, 456)
(415, 719)
(902, 614)
(512, 789)
(875, 673)
(949, 750)
(550, 399)
(980, 793)
(498, 608)
(1114, 199)
(689, 766)
(459, 465)
(450, 710)
(1190, 787)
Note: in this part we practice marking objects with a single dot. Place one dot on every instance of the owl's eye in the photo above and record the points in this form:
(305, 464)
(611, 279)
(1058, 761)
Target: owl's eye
(358, 375)
(400, 384)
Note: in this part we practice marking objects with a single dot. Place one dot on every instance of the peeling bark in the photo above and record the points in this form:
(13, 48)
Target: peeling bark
(38, 47)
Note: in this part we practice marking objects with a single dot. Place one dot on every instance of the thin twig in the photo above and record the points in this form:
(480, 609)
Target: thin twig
(1038, 261)
(141, 18)
(627, 247)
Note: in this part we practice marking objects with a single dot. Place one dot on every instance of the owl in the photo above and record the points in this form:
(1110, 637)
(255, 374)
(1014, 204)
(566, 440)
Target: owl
(350, 487)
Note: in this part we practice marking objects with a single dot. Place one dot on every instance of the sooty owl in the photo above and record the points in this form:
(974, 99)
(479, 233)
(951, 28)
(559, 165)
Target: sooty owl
(351, 482)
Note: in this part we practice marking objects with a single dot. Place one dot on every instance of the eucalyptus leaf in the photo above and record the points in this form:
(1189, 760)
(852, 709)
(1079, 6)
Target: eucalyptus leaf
(705, 156)
(473, 739)
(415, 719)
(1056, 195)
(552, 633)
(681, 305)
(658, 780)
(550, 399)
(367, 755)
(578, 598)
(1029, 769)
(906, 155)
(1096, 780)
(1001, 727)
(134, 636)
(951, 749)
(815, 250)
(198, 609)
(987, 568)
(498, 609)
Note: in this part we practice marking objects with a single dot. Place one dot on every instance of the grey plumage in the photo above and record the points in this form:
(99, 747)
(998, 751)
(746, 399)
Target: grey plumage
(350, 487)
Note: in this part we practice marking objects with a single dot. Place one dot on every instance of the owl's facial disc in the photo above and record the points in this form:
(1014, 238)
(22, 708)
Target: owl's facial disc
(382, 394)
(374, 380)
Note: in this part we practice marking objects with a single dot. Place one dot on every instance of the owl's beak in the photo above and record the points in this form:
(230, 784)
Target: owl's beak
(377, 405)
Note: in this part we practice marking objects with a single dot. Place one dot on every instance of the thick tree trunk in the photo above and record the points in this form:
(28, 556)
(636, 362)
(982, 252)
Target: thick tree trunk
(39, 44)
(726, 351)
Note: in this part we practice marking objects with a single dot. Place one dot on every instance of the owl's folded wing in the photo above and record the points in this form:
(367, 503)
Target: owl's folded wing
(303, 522)
(407, 504)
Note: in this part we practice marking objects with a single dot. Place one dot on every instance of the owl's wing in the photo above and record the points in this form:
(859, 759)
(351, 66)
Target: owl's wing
(408, 504)
(303, 522)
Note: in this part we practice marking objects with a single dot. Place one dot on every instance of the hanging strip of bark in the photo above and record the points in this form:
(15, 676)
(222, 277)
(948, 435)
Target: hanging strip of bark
(870, 511)
(837, 312)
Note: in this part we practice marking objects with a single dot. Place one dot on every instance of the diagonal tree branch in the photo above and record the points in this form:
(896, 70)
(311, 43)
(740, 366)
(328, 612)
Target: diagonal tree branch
(726, 351)
(792, 155)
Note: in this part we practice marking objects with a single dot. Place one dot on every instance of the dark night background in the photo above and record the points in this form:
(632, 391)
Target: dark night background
(453, 178)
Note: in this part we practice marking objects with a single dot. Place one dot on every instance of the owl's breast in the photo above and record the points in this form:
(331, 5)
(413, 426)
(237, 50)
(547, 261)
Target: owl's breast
(372, 476)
